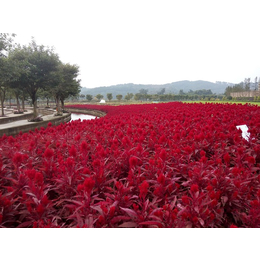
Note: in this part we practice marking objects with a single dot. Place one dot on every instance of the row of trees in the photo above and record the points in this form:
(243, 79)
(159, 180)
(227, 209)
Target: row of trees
(156, 97)
(28, 71)
(245, 85)
(109, 96)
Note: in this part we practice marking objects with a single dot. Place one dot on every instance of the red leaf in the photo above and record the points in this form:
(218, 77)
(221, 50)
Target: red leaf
(224, 200)
(97, 208)
(146, 204)
(173, 203)
(26, 224)
(152, 223)
(128, 225)
(119, 219)
(79, 203)
(201, 222)
(130, 212)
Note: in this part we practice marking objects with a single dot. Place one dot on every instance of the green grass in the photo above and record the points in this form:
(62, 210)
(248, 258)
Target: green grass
(133, 102)
(225, 102)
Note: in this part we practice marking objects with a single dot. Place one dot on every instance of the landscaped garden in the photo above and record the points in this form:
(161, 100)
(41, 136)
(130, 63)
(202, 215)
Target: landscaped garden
(141, 166)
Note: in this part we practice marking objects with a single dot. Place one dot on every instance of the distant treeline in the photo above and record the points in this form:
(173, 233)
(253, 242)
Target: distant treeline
(190, 95)
(170, 88)
(143, 95)
(245, 85)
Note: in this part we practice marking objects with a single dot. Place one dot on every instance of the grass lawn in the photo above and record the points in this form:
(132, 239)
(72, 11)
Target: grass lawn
(224, 102)
(132, 102)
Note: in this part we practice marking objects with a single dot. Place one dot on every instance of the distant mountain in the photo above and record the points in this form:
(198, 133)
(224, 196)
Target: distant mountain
(174, 88)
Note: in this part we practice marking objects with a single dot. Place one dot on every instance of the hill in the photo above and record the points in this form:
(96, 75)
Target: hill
(174, 88)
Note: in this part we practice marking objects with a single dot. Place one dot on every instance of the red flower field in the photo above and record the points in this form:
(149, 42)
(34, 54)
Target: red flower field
(168, 165)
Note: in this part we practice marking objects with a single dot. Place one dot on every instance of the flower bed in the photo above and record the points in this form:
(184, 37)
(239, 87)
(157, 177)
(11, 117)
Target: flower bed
(154, 165)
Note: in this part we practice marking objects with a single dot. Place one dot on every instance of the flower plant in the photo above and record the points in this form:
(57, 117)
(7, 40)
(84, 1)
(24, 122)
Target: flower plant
(168, 165)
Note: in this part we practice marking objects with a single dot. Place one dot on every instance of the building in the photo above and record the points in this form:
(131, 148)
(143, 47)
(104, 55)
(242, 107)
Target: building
(247, 94)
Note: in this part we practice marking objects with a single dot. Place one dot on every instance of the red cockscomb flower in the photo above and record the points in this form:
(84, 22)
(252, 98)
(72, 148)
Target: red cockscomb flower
(143, 189)
(89, 184)
(49, 153)
(194, 188)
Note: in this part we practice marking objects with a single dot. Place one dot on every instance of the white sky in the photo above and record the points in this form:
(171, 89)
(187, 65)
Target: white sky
(141, 41)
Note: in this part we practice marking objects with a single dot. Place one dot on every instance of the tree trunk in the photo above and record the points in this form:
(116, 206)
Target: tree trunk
(18, 103)
(62, 104)
(59, 112)
(23, 105)
(2, 106)
(35, 110)
(2, 97)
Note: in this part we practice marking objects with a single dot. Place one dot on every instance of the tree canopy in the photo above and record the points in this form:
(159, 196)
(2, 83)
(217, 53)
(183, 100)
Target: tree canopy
(109, 96)
(33, 68)
(6, 72)
(39, 64)
(235, 88)
(64, 83)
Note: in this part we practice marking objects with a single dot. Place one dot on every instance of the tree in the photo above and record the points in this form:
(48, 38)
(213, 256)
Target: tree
(8, 76)
(89, 97)
(161, 92)
(129, 96)
(6, 43)
(6, 72)
(143, 91)
(119, 97)
(109, 96)
(138, 96)
(99, 96)
(4, 79)
(142, 95)
(17, 92)
(247, 84)
(64, 84)
(235, 88)
(16, 84)
(45, 94)
(71, 83)
(256, 84)
(41, 63)
(204, 92)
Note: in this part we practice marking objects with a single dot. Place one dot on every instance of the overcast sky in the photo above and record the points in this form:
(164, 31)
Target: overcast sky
(144, 41)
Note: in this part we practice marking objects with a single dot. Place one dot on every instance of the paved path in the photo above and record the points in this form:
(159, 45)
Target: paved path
(14, 124)
(10, 114)
(23, 122)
